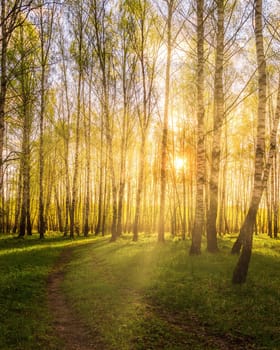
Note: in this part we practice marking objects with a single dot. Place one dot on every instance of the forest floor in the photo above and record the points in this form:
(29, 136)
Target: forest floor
(119, 313)
(75, 334)
(88, 294)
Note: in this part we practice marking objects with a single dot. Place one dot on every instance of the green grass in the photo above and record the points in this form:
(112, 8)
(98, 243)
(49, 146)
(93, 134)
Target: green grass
(24, 267)
(149, 296)
(141, 295)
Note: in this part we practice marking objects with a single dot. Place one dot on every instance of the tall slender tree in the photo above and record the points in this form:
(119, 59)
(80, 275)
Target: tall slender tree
(144, 19)
(65, 121)
(127, 62)
(262, 165)
(212, 245)
(79, 14)
(87, 133)
(103, 45)
(25, 84)
(199, 220)
(12, 15)
(171, 5)
(45, 24)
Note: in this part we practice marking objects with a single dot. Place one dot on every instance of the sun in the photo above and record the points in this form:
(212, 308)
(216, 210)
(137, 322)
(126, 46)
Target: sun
(179, 163)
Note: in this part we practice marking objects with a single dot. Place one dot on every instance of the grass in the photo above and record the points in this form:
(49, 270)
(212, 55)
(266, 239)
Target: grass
(149, 296)
(142, 295)
(24, 267)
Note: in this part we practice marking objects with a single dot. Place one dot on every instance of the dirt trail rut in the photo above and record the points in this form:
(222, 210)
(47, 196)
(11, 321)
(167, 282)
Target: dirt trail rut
(73, 333)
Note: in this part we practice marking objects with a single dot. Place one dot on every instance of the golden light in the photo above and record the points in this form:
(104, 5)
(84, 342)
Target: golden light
(179, 163)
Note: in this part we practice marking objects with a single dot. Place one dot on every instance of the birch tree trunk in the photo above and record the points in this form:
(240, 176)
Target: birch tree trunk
(262, 167)
(139, 188)
(212, 245)
(66, 130)
(147, 71)
(170, 5)
(100, 210)
(18, 199)
(26, 91)
(260, 142)
(45, 33)
(25, 223)
(87, 134)
(103, 48)
(78, 119)
(3, 83)
(199, 219)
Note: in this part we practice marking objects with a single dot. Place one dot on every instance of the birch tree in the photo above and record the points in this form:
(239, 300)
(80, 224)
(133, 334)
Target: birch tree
(12, 15)
(262, 164)
(25, 85)
(102, 40)
(146, 52)
(45, 25)
(199, 219)
(212, 245)
(127, 75)
(171, 5)
(79, 23)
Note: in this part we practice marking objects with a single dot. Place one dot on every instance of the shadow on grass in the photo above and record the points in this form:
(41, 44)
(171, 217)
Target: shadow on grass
(12, 245)
(247, 314)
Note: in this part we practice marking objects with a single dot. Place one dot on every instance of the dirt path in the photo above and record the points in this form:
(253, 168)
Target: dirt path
(73, 333)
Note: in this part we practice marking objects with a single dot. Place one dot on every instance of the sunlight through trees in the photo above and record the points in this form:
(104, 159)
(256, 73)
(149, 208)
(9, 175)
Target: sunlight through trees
(134, 116)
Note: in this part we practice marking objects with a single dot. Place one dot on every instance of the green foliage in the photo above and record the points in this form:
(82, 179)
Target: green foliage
(24, 43)
(79, 54)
